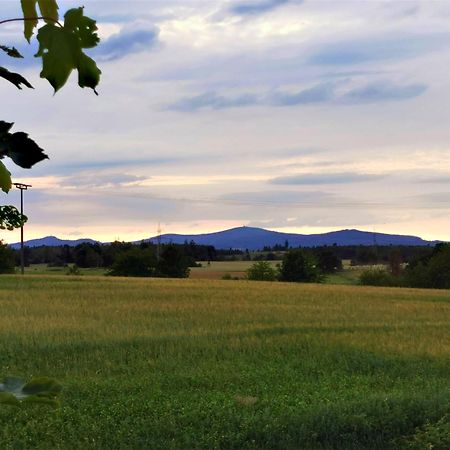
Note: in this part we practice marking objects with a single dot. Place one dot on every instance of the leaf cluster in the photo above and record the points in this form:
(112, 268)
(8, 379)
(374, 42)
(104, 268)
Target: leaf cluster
(20, 148)
(61, 49)
(11, 218)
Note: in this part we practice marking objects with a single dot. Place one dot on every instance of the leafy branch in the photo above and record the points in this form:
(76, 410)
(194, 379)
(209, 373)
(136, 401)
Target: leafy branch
(23, 19)
(61, 48)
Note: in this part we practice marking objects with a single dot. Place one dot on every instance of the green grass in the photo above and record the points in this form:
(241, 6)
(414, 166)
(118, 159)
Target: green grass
(214, 271)
(44, 269)
(197, 364)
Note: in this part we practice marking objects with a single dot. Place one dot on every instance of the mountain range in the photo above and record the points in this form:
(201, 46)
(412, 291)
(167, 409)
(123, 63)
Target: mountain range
(256, 238)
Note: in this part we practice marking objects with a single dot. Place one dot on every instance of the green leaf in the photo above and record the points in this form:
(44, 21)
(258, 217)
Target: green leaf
(43, 386)
(5, 126)
(14, 391)
(56, 48)
(82, 26)
(14, 78)
(8, 399)
(61, 50)
(11, 51)
(88, 72)
(5, 178)
(11, 218)
(49, 9)
(30, 14)
(20, 148)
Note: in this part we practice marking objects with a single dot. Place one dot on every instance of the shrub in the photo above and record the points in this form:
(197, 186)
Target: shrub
(328, 261)
(434, 436)
(173, 263)
(300, 267)
(134, 263)
(7, 261)
(431, 271)
(378, 277)
(73, 270)
(261, 271)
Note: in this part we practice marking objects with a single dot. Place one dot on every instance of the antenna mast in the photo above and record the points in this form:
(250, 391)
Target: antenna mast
(158, 242)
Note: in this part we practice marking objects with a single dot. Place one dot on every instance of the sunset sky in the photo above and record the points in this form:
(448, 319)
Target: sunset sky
(299, 116)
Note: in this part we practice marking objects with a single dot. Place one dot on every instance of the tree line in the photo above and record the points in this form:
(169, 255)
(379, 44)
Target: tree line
(120, 258)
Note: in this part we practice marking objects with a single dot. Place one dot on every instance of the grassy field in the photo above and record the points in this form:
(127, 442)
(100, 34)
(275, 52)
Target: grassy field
(197, 364)
(213, 271)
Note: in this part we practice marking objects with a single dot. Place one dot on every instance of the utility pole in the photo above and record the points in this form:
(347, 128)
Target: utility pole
(22, 187)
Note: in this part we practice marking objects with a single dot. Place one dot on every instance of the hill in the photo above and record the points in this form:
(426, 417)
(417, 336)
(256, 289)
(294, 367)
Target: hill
(53, 241)
(256, 238)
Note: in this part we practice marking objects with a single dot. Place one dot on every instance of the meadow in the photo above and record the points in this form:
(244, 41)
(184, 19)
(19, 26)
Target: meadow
(215, 270)
(207, 364)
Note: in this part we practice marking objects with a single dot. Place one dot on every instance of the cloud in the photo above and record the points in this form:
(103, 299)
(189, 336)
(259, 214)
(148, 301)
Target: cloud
(127, 41)
(96, 180)
(384, 91)
(276, 198)
(76, 166)
(445, 178)
(326, 178)
(256, 7)
(375, 49)
(213, 101)
(319, 93)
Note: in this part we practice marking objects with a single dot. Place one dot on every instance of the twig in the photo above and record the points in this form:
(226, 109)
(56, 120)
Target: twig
(30, 18)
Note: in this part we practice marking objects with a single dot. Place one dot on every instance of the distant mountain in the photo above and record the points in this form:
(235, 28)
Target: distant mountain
(257, 238)
(52, 241)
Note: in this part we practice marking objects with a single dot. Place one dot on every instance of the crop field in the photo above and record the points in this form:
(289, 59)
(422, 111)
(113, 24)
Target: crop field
(206, 364)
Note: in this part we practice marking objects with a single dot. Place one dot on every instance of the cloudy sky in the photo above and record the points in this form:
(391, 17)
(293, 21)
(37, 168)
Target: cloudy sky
(299, 116)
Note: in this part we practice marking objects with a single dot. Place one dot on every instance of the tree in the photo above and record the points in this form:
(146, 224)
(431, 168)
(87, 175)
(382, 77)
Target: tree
(134, 262)
(261, 271)
(61, 50)
(173, 263)
(300, 267)
(431, 271)
(7, 260)
(328, 261)
(88, 255)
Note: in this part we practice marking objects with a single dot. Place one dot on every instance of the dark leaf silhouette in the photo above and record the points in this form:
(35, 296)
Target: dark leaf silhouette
(14, 78)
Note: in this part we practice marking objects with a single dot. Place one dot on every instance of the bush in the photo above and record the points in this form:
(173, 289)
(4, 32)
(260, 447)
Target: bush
(431, 271)
(7, 260)
(328, 261)
(300, 267)
(261, 271)
(228, 276)
(73, 270)
(378, 277)
(173, 263)
(434, 436)
(134, 263)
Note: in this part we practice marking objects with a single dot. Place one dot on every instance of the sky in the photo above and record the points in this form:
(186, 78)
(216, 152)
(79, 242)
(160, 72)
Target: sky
(297, 116)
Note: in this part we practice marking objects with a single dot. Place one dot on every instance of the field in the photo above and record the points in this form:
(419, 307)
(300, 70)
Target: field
(199, 364)
(213, 271)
